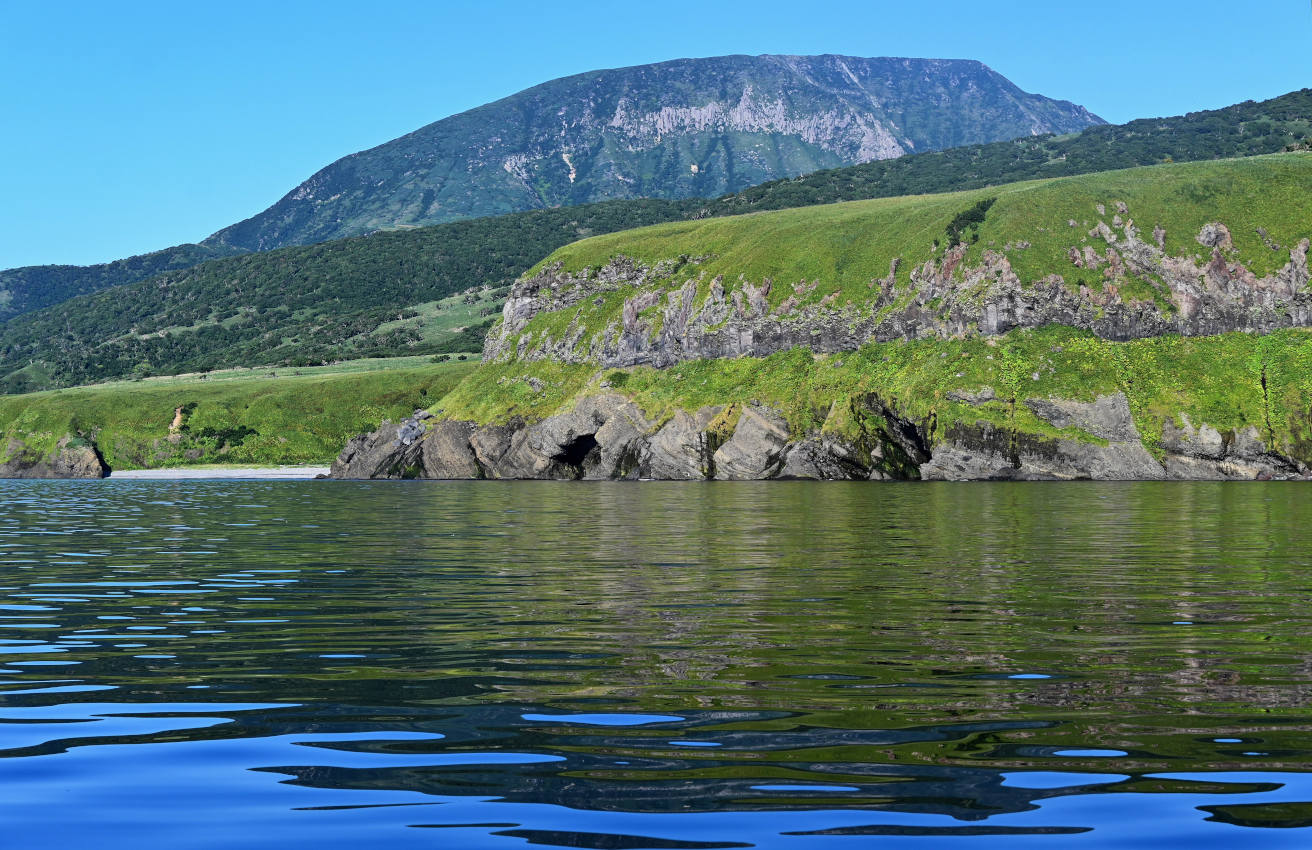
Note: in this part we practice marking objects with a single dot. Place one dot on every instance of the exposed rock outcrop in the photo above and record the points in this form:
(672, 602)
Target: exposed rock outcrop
(72, 457)
(1116, 452)
(1203, 452)
(609, 437)
(667, 322)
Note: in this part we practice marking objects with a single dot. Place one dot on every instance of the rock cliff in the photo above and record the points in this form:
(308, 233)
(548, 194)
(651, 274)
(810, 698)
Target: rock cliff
(609, 437)
(665, 322)
(72, 457)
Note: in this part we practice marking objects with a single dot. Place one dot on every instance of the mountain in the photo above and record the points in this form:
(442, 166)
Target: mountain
(29, 288)
(680, 129)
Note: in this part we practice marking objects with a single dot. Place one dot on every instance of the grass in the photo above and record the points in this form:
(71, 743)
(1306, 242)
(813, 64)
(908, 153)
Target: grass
(266, 373)
(438, 321)
(243, 419)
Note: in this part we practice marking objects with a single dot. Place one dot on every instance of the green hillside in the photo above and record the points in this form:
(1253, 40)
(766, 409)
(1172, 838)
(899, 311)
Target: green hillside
(246, 419)
(361, 297)
(842, 248)
(30, 288)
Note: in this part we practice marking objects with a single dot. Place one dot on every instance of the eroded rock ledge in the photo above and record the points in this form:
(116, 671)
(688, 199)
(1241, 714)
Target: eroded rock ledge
(665, 323)
(72, 457)
(609, 437)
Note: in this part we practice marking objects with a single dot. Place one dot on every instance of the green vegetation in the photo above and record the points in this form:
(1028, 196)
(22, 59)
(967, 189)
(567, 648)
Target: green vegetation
(364, 297)
(233, 419)
(1215, 380)
(30, 288)
(844, 248)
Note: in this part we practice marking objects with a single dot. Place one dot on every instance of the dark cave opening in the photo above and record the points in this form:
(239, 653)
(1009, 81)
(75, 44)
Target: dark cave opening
(574, 452)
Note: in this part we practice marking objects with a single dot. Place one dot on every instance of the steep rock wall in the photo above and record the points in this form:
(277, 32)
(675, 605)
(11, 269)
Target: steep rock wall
(609, 437)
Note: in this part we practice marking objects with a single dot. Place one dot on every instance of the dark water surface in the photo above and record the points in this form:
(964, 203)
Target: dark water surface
(262, 664)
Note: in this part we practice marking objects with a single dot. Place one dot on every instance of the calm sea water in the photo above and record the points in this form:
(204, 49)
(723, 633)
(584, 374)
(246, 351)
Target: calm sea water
(255, 664)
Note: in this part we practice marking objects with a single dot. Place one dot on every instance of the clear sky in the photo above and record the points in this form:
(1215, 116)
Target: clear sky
(133, 125)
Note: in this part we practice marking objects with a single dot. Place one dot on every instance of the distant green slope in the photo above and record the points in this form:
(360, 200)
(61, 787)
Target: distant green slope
(295, 305)
(284, 419)
(26, 289)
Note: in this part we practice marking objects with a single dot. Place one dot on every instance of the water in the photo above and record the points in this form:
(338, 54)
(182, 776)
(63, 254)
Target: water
(221, 664)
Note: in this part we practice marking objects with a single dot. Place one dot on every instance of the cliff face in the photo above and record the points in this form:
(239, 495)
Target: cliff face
(681, 129)
(608, 437)
(666, 324)
(71, 457)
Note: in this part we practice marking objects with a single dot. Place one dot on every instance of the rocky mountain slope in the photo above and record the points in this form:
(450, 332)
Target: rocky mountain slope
(686, 128)
(1137, 324)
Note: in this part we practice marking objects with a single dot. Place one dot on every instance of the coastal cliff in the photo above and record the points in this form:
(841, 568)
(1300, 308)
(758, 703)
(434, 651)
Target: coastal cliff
(608, 437)
(1146, 324)
(72, 457)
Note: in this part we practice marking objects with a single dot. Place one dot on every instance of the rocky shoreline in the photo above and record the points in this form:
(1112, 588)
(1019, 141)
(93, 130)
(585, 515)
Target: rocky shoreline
(72, 457)
(608, 437)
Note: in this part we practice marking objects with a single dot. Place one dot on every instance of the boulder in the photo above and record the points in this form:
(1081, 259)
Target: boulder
(446, 451)
(1204, 453)
(380, 454)
(825, 458)
(72, 457)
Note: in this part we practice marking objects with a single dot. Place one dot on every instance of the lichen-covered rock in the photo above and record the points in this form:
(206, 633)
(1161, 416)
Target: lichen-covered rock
(943, 298)
(72, 457)
(1203, 452)
(609, 437)
(826, 458)
(380, 454)
(984, 451)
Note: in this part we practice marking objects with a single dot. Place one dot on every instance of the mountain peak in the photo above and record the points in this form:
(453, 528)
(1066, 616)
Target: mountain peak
(676, 129)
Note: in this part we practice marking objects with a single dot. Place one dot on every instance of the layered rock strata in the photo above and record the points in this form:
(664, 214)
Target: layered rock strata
(665, 323)
(609, 437)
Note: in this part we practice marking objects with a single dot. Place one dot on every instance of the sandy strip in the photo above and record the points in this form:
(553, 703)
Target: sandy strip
(196, 473)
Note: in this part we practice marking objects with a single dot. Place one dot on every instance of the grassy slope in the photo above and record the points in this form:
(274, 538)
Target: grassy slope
(844, 246)
(249, 420)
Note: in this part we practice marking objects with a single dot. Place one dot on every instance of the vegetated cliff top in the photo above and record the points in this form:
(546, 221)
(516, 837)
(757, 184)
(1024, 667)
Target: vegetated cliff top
(678, 129)
(1149, 246)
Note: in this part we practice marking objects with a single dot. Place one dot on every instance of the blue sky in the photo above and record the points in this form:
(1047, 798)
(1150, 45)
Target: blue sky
(130, 126)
